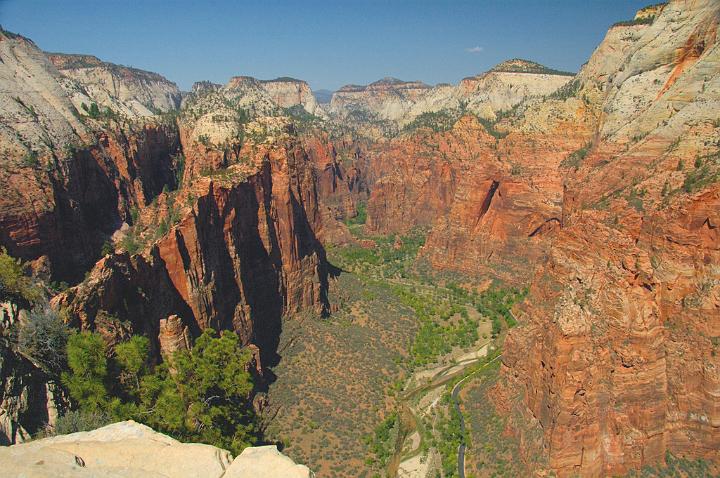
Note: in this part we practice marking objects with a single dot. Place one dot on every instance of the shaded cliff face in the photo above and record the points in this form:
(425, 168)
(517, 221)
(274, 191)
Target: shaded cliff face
(341, 169)
(234, 248)
(241, 256)
(616, 358)
(71, 178)
(29, 398)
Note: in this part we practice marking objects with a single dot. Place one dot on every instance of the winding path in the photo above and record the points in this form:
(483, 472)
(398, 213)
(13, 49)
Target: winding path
(456, 403)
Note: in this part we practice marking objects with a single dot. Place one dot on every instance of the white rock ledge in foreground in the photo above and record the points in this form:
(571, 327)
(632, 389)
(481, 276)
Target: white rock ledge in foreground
(129, 449)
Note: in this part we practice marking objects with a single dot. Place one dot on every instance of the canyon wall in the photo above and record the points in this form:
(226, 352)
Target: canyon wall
(615, 361)
(72, 177)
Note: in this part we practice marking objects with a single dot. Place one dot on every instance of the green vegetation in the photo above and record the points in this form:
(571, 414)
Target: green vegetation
(437, 335)
(568, 90)
(634, 199)
(639, 21)
(302, 119)
(93, 111)
(496, 303)
(382, 442)
(201, 395)
(449, 435)
(130, 243)
(490, 128)
(361, 216)
(179, 166)
(575, 159)
(438, 121)
(15, 287)
(204, 140)
(388, 256)
(676, 467)
(31, 159)
(518, 65)
(705, 173)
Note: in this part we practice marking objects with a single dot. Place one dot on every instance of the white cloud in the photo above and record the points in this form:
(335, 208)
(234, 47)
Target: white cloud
(475, 49)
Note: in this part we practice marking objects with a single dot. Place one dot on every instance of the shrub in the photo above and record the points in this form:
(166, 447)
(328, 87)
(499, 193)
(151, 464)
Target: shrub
(15, 287)
(130, 243)
(80, 421)
(107, 248)
(43, 338)
(31, 159)
(438, 121)
(361, 216)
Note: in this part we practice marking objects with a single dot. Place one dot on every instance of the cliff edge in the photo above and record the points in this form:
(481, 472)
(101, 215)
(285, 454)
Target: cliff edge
(130, 449)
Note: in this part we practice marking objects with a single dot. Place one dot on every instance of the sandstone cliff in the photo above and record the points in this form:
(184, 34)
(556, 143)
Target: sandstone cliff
(71, 177)
(129, 449)
(397, 103)
(125, 90)
(615, 361)
(289, 92)
(234, 248)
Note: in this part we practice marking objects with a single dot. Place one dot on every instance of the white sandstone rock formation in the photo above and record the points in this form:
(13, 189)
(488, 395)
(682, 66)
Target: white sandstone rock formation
(129, 449)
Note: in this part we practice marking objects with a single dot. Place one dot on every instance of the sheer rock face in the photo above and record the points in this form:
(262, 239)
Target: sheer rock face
(615, 361)
(29, 399)
(341, 171)
(241, 257)
(173, 336)
(489, 203)
(125, 90)
(70, 180)
(289, 92)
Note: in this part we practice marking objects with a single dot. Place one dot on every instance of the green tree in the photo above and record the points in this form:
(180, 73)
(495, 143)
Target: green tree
(85, 381)
(214, 384)
(132, 357)
(15, 287)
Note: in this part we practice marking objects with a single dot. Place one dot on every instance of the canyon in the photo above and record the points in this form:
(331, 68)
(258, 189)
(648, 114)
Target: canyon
(245, 206)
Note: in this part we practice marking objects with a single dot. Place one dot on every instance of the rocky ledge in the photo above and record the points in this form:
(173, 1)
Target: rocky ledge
(129, 449)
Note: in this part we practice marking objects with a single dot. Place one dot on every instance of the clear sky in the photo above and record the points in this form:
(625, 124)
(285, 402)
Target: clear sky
(327, 43)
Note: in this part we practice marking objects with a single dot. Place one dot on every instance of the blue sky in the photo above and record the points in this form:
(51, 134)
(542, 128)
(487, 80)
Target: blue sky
(328, 43)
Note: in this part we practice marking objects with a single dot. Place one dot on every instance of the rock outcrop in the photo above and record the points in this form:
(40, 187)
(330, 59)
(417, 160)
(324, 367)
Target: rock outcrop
(29, 398)
(129, 449)
(265, 461)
